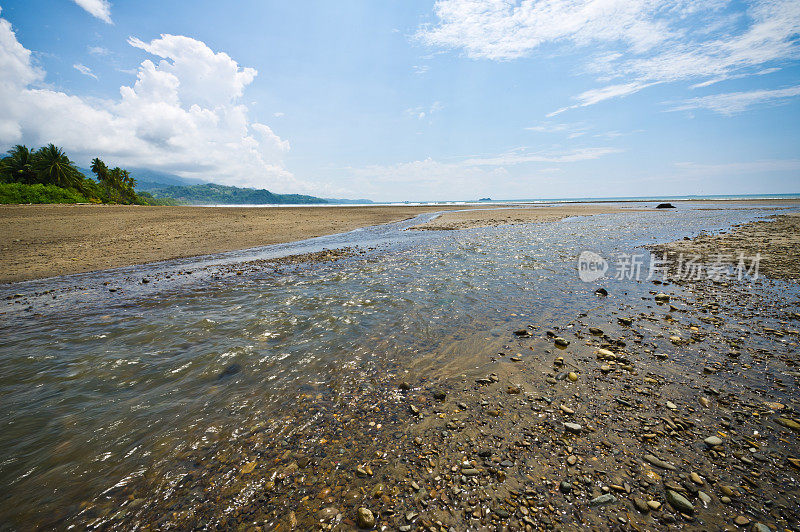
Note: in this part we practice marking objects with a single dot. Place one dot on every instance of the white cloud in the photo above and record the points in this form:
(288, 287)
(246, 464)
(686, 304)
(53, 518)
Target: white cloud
(83, 69)
(97, 8)
(429, 179)
(594, 96)
(736, 102)
(504, 30)
(99, 50)
(521, 157)
(181, 115)
(278, 114)
(422, 112)
(643, 42)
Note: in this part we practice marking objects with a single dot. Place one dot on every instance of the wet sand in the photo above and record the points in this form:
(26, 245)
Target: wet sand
(777, 241)
(40, 241)
(451, 221)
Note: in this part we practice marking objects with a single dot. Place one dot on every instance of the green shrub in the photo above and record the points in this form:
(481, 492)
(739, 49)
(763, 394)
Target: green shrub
(38, 193)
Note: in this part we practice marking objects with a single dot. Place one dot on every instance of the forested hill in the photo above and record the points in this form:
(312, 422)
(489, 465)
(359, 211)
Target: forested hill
(210, 193)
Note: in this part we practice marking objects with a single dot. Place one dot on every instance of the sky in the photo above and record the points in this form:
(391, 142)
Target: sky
(403, 100)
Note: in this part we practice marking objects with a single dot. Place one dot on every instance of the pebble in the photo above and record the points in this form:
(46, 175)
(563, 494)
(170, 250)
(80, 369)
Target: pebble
(761, 527)
(788, 423)
(697, 479)
(560, 342)
(513, 390)
(326, 514)
(662, 297)
(572, 376)
(658, 462)
(705, 497)
(565, 487)
(364, 518)
(671, 405)
(641, 505)
(654, 505)
(679, 502)
(713, 441)
(602, 500)
(705, 402)
(566, 409)
(573, 427)
(741, 521)
(439, 395)
(572, 460)
(605, 354)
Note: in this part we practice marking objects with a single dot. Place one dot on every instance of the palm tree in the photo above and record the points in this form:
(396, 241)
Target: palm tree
(17, 167)
(101, 171)
(53, 166)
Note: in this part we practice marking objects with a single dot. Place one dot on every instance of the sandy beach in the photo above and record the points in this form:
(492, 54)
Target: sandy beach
(46, 240)
(40, 241)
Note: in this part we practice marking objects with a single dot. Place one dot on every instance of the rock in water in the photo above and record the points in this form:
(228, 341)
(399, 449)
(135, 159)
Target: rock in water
(665, 206)
(658, 462)
(713, 441)
(662, 297)
(561, 342)
(679, 502)
(231, 370)
(364, 518)
(788, 423)
(602, 500)
(601, 292)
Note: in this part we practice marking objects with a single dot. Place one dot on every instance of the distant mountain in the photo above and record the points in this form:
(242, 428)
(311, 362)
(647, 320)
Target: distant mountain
(212, 194)
(148, 180)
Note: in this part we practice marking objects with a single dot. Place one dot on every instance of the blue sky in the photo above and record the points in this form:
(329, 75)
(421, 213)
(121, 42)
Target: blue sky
(403, 100)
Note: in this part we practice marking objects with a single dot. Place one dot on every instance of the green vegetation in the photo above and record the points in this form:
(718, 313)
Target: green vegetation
(47, 175)
(38, 193)
(219, 194)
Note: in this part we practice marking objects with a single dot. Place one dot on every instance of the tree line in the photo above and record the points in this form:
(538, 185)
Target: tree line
(50, 166)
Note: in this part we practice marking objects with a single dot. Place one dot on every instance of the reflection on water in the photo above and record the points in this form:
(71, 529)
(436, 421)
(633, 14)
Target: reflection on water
(99, 387)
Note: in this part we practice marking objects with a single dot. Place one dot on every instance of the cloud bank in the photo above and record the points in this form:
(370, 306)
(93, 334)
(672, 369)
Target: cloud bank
(182, 115)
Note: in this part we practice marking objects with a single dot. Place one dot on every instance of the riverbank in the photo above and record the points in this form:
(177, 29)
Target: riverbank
(47, 240)
(40, 241)
(776, 241)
